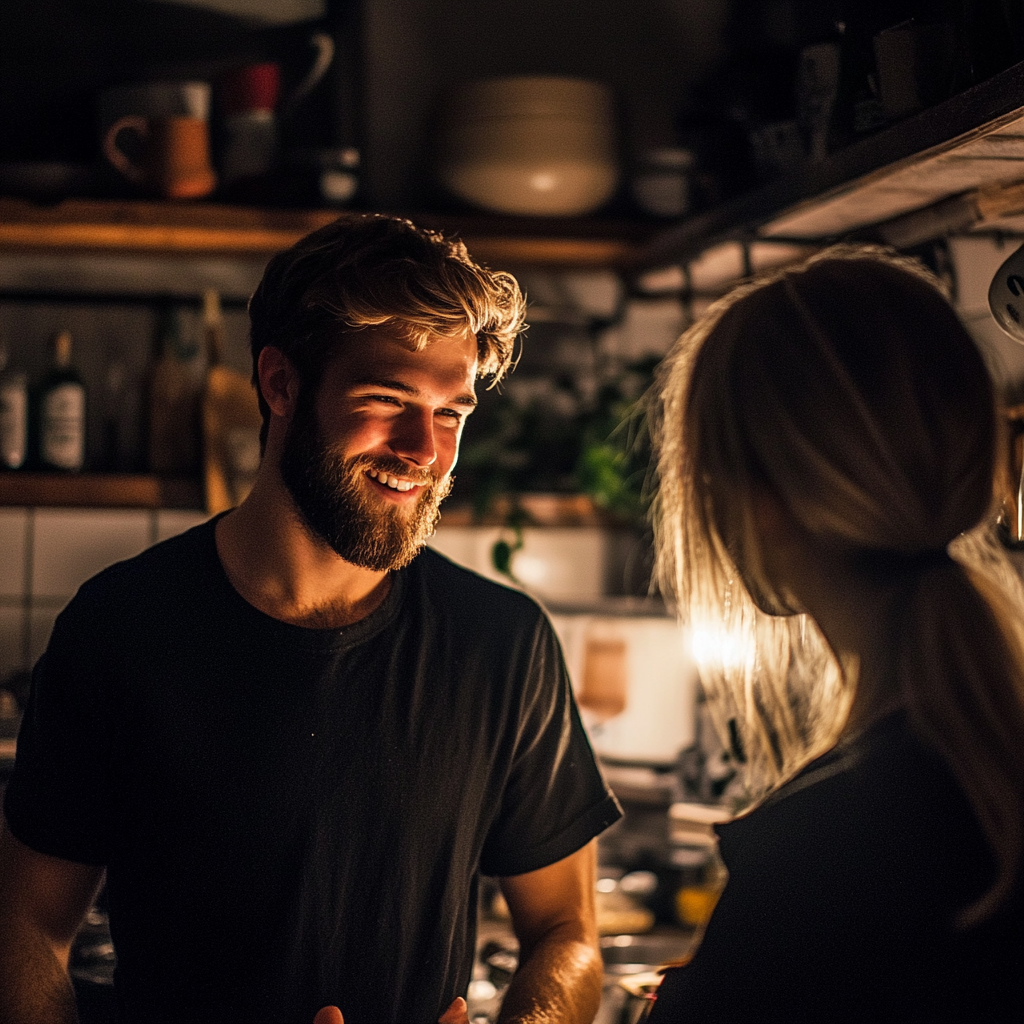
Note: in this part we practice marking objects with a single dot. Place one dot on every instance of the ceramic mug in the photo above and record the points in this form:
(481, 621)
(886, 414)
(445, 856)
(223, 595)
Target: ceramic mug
(175, 155)
(153, 99)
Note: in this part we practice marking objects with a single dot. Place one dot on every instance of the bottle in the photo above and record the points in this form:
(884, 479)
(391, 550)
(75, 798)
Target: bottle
(231, 420)
(13, 413)
(175, 397)
(61, 411)
(116, 401)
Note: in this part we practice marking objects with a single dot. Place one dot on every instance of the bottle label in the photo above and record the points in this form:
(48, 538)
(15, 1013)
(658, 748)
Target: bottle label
(62, 427)
(13, 424)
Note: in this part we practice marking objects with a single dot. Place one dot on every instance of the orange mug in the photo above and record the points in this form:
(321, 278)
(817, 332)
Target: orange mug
(175, 160)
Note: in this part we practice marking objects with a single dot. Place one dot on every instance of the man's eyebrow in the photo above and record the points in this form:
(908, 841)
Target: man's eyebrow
(407, 389)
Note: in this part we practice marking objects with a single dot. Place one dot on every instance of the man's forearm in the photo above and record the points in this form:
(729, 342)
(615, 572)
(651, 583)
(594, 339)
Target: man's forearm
(34, 985)
(558, 982)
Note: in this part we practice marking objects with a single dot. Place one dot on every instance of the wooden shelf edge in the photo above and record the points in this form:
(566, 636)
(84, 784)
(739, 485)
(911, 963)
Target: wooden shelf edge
(189, 229)
(99, 490)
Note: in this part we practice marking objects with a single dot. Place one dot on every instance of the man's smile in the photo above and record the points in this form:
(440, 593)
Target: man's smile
(393, 482)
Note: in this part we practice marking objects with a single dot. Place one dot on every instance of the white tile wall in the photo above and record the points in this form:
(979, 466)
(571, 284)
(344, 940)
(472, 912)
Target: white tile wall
(73, 544)
(13, 533)
(45, 556)
(64, 547)
(171, 522)
(12, 640)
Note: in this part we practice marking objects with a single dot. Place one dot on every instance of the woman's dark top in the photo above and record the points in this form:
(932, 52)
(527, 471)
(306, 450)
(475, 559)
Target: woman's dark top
(841, 902)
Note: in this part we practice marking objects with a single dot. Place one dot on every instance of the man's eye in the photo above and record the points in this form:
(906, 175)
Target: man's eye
(451, 414)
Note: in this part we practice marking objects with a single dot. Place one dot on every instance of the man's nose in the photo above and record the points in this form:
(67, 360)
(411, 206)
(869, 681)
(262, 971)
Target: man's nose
(414, 438)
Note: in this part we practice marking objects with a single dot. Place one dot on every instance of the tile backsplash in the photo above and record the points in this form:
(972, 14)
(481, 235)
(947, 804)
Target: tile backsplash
(100, 538)
(47, 553)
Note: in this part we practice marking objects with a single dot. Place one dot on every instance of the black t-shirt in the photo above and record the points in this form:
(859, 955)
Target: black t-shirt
(293, 817)
(840, 905)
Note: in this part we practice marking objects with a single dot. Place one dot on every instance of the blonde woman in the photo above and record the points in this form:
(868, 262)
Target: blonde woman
(829, 439)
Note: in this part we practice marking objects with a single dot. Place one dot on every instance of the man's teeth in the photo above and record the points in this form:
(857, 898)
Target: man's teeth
(392, 481)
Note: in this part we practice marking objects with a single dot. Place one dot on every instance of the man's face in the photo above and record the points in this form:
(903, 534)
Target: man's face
(368, 458)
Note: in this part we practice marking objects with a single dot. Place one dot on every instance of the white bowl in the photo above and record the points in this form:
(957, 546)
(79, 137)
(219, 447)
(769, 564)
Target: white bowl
(578, 99)
(530, 145)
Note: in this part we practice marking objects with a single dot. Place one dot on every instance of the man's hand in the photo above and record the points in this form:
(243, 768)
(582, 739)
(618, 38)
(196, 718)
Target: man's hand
(457, 1013)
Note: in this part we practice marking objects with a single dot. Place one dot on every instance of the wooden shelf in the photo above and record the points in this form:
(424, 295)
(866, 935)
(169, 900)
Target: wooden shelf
(972, 141)
(99, 490)
(194, 229)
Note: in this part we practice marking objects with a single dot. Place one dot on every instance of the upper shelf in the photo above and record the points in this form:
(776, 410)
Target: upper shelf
(949, 167)
(206, 229)
(943, 169)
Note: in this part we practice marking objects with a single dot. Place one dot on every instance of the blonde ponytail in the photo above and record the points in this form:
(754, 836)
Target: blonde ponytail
(961, 667)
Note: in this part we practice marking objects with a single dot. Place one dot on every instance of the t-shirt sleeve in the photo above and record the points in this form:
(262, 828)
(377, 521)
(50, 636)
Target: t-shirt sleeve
(57, 800)
(555, 799)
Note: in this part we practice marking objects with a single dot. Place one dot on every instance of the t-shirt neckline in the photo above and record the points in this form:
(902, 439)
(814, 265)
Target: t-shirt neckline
(308, 636)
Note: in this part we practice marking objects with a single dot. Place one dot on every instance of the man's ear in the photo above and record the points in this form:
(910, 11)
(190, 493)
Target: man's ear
(279, 381)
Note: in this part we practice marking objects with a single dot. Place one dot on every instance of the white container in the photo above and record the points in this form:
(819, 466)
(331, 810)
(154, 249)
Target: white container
(555, 563)
(661, 181)
(648, 660)
(532, 145)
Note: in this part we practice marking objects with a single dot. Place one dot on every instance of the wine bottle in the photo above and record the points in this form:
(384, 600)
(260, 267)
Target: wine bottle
(13, 413)
(175, 397)
(61, 411)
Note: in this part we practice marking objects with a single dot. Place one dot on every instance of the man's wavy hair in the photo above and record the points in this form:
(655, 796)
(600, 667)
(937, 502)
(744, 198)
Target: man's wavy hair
(367, 270)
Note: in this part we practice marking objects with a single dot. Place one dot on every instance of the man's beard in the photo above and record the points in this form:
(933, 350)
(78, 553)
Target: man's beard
(335, 507)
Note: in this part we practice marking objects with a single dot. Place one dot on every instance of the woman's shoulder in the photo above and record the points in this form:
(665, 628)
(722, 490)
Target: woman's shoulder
(883, 809)
(887, 761)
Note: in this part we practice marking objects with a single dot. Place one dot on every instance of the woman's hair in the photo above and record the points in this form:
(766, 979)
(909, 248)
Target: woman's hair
(848, 388)
(366, 270)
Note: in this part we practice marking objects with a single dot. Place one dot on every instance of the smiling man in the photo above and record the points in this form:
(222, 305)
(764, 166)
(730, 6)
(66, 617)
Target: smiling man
(294, 738)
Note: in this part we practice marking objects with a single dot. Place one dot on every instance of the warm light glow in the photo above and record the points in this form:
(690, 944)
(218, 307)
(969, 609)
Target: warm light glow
(543, 182)
(531, 570)
(713, 645)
